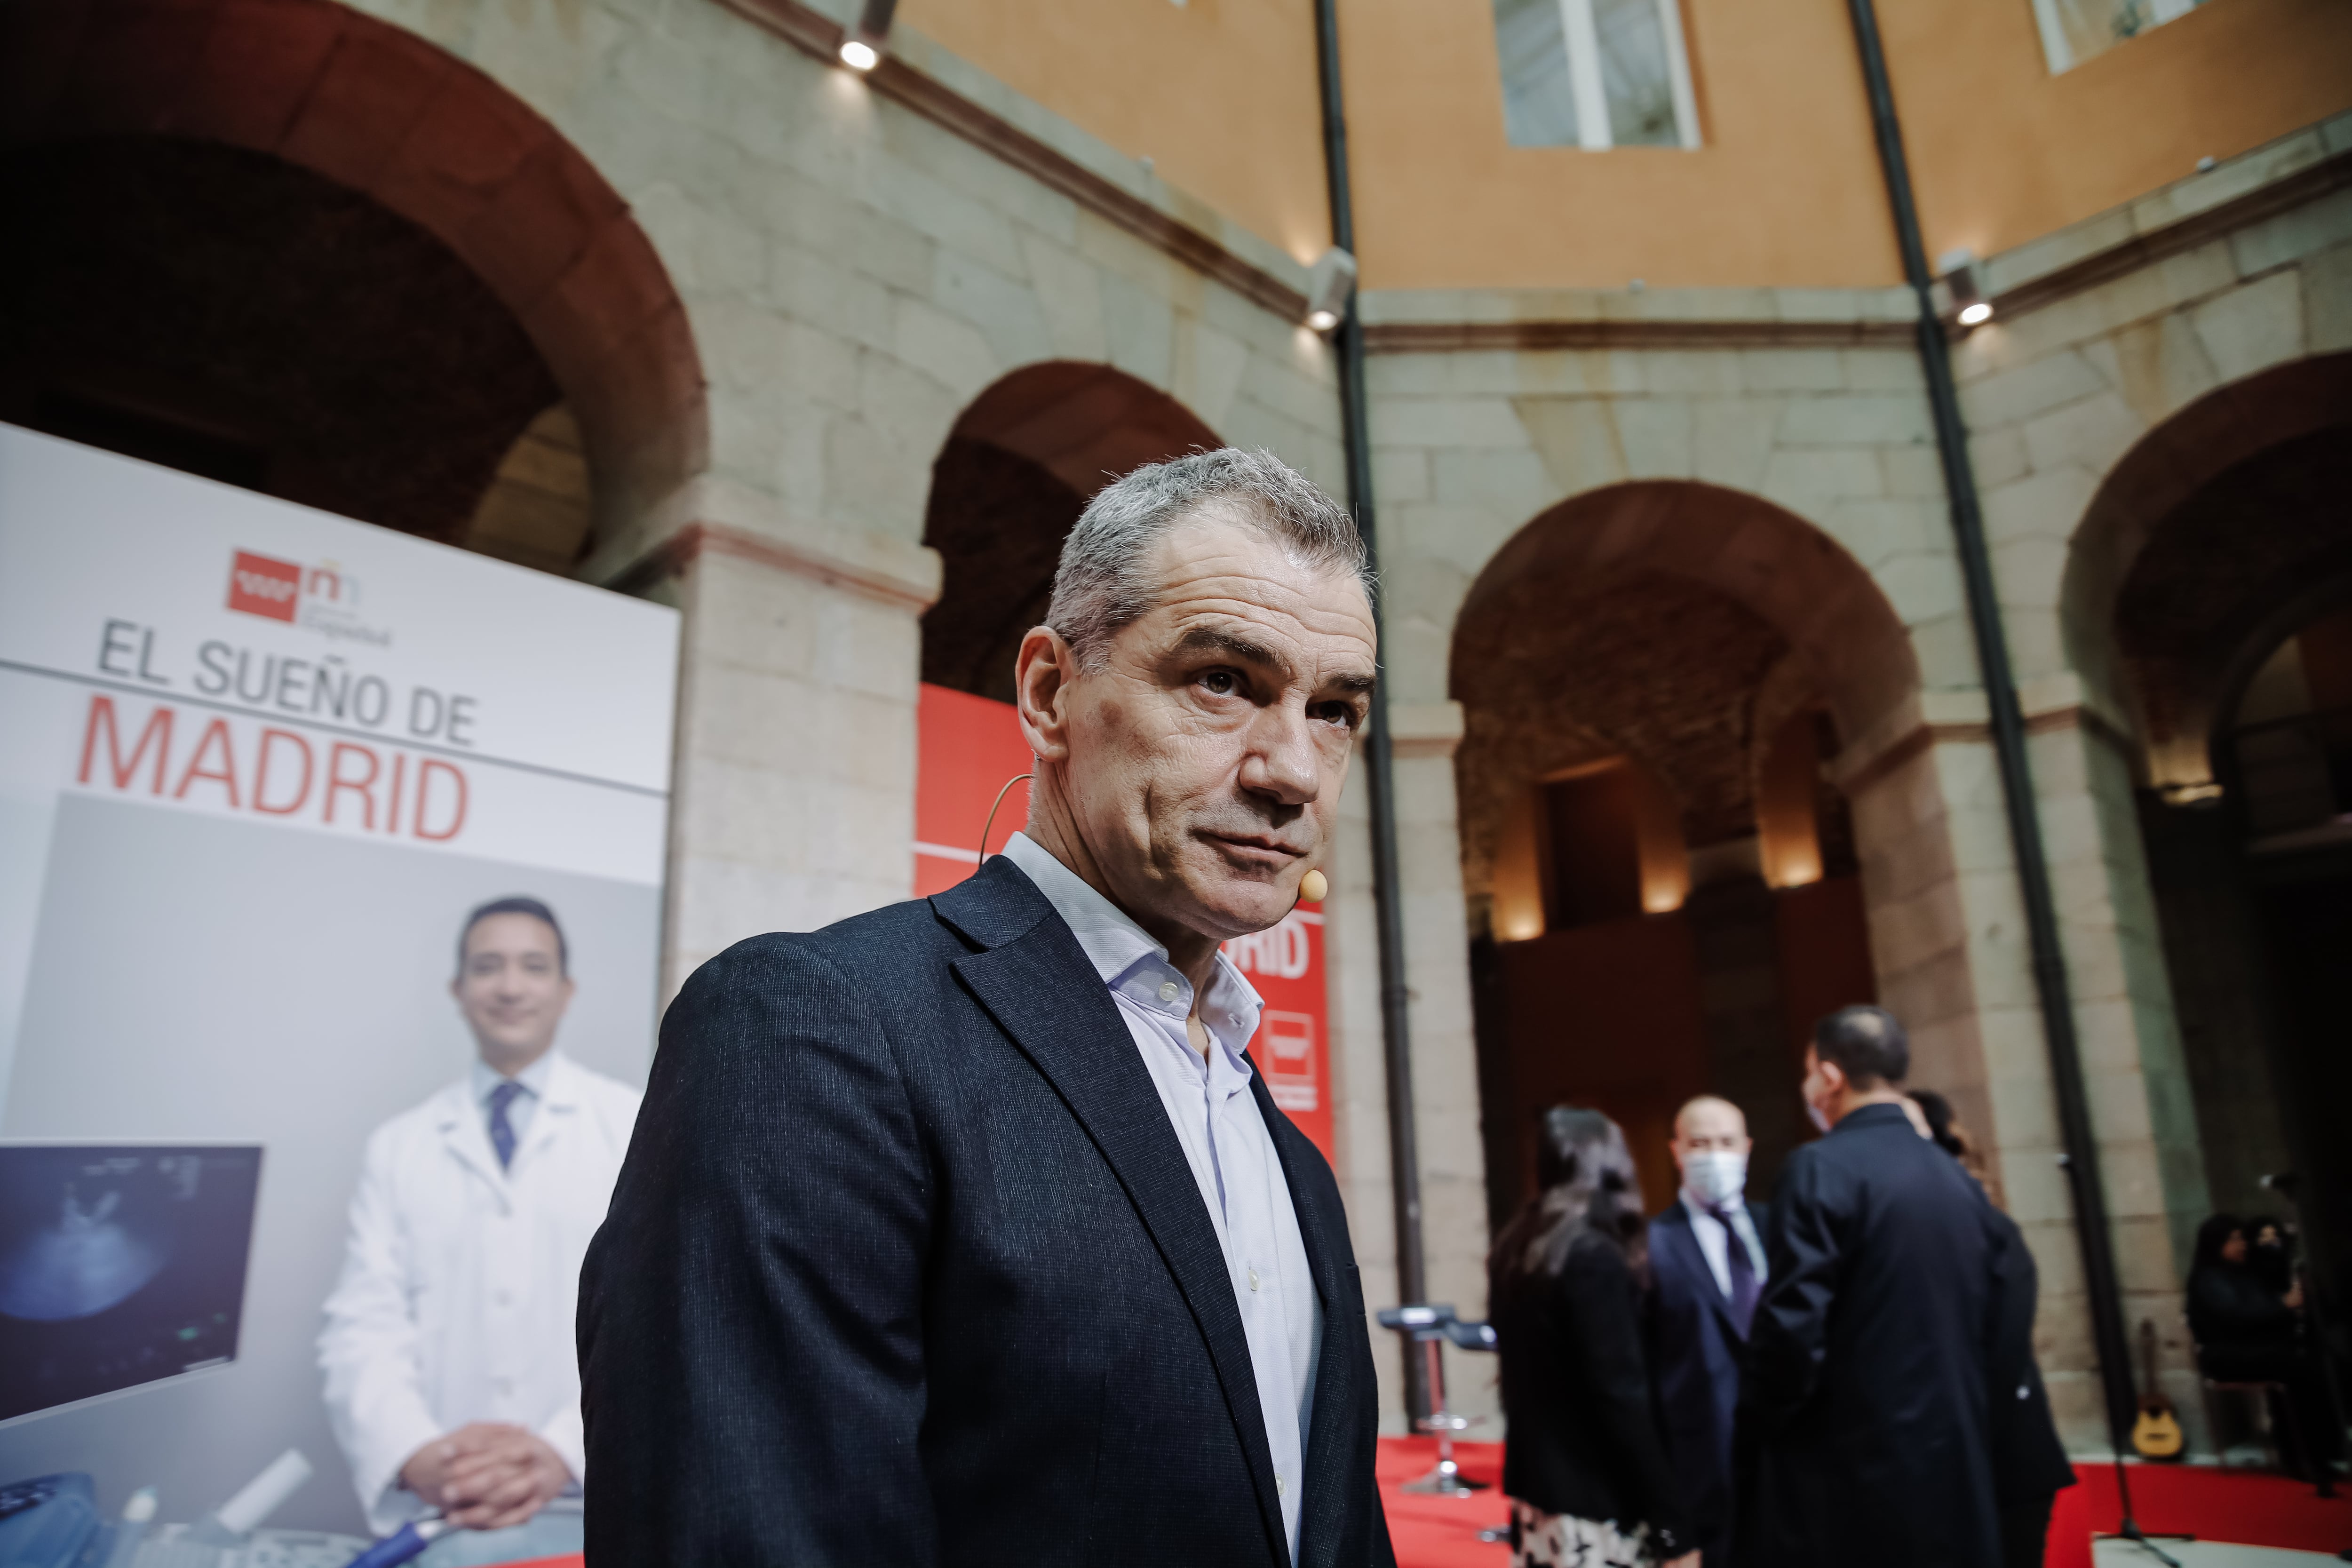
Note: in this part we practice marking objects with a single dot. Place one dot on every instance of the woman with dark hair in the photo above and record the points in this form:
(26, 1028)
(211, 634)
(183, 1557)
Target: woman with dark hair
(2268, 1253)
(1586, 1466)
(2248, 1332)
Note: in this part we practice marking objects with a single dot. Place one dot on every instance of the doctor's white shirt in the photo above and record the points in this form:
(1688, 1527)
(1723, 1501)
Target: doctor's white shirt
(461, 1281)
(1226, 1142)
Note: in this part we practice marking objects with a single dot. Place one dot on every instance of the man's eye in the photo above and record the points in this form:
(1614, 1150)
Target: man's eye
(1220, 682)
(1338, 713)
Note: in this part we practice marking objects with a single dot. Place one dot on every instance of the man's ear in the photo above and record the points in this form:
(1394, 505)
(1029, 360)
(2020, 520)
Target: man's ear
(1041, 673)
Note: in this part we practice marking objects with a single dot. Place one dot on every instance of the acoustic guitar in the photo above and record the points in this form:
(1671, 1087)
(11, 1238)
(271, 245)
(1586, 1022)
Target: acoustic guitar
(2156, 1434)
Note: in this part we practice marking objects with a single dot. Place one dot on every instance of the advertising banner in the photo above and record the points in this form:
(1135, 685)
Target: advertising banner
(970, 749)
(257, 764)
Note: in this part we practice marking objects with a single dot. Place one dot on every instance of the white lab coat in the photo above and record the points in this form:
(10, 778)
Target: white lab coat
(461, 1282)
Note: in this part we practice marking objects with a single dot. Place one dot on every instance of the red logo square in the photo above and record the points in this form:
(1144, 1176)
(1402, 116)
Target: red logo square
(260, 587)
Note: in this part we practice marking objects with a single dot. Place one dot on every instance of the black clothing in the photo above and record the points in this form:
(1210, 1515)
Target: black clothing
(2030, 1467)
(1862, 1433)
(906, 1266)
(2245, 1332)
(2230, 1306)
(1695, 1349)
(1584, 1437)
(2025, 1531)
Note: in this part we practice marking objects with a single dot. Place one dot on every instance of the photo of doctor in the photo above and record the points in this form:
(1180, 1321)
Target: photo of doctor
(450, 1378)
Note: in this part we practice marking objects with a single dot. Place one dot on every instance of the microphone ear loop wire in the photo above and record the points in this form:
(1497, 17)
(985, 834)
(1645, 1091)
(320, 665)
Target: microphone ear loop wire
(990, 826)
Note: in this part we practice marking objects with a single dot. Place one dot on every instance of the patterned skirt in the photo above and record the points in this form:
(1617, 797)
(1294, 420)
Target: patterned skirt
(1541, 1540)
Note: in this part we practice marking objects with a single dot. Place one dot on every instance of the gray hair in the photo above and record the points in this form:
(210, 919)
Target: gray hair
(1105, 580)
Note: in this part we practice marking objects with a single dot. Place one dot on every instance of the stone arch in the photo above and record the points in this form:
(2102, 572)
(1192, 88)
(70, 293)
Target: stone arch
(2154, 633)
(1726, 605)
(429, 138)
(1017, 468)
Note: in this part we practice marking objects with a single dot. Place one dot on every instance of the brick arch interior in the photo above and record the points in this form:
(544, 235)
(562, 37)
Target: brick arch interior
(1672, 621)
(1018, 468)
(2214, 533)
(429, 139)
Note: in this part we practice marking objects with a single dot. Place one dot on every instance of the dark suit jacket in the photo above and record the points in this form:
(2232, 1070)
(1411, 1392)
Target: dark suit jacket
(1863, 1431)
(1694, 1359)
(2029, 1464)
(906, 1266)
(1584, 1436)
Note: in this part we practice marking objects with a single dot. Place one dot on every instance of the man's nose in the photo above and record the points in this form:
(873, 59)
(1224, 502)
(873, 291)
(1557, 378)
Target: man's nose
(1282, 761)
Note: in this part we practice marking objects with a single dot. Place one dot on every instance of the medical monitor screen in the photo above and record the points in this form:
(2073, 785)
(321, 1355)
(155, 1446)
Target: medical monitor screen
(119, 1265)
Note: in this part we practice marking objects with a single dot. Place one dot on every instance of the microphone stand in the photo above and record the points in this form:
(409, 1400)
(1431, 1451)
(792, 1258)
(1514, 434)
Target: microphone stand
(2128, 1528)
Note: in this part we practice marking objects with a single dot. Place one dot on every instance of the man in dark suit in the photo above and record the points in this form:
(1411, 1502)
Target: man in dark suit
(1862, 1424)
(963, 1232)
(1706, 1267)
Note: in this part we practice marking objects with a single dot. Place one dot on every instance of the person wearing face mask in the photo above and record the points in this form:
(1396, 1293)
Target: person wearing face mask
(1863, 1436)
(1707, 1269)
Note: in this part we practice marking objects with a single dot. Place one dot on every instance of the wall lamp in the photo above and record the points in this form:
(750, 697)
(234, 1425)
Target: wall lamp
(861, 46)
(1328, 283)
(1959, 273)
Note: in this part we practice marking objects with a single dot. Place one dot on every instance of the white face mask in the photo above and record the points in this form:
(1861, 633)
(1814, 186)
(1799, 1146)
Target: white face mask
(1821, 1118)
(1715, 1176)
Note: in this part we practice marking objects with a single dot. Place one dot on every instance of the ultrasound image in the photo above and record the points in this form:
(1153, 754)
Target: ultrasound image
(118, 1266)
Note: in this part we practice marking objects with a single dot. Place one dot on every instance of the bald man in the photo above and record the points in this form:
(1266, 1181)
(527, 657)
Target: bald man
(1706, 1257)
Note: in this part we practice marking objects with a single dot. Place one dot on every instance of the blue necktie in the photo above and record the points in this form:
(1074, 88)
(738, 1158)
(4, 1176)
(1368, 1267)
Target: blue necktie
(1744, 1290)
(501, 1132)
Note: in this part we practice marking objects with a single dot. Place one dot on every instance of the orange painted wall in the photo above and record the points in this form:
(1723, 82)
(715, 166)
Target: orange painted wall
(1786, 192)
(1220, 94)
(2003, 151)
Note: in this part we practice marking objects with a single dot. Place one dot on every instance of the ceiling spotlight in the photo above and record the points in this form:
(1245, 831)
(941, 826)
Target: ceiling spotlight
(861, 46)
(1328, 283)
(1960, 272)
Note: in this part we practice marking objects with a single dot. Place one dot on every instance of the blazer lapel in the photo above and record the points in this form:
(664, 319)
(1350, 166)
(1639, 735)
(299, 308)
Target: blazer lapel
(1036, 981)
(1322, 1513)
(1692, 1260)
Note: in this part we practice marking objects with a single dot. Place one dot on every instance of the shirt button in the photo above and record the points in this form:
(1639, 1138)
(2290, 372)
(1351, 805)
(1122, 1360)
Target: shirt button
(1168, 991)
(1253, 1274)
(1279, 1488)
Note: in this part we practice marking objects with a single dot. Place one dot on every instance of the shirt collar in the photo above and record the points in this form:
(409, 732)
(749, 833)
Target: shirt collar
(533, 1079)
(1732, 1204)
(1130, 962)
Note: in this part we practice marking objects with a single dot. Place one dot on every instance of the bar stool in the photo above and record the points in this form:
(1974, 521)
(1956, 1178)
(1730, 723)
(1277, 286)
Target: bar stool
(1430, 1327)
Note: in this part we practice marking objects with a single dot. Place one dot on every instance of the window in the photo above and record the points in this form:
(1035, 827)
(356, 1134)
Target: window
(2074, 30)
(1599, 73)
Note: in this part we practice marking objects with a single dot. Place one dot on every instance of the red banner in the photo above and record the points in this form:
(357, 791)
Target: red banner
(969, 748)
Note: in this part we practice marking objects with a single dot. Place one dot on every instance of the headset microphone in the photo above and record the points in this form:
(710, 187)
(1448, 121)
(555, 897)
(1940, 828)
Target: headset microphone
(1312, 886)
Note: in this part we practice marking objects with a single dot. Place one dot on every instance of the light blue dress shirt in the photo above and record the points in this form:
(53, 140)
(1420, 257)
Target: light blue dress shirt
(1226, 1142)
(1717, 1246)
(533, 1080)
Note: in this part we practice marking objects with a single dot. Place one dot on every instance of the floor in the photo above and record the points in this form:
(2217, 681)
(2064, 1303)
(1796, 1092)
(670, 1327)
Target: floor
(2242, 1521)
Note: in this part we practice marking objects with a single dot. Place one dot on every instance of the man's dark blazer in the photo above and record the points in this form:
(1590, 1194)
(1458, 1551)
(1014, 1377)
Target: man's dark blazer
(1863, 1431)
(1694, 1359)
(906, 1266)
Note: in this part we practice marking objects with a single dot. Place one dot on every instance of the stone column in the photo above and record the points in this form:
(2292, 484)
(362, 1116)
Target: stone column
(792, 803)
(1444, 1056)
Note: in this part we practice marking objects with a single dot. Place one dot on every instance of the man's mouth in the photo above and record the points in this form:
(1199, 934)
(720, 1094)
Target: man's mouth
(1255, 850)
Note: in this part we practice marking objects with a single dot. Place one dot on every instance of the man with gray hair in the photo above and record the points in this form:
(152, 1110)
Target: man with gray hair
(965, 1231)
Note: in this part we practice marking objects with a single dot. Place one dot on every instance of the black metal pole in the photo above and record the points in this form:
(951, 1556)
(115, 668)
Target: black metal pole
(2082, 1157)
(1396, 1022)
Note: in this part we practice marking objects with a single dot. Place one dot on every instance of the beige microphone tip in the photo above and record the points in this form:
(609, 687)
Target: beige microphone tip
(1312, 886)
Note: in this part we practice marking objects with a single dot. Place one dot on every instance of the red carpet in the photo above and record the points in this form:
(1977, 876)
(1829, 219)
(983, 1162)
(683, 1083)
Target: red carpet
(2211, 1504)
